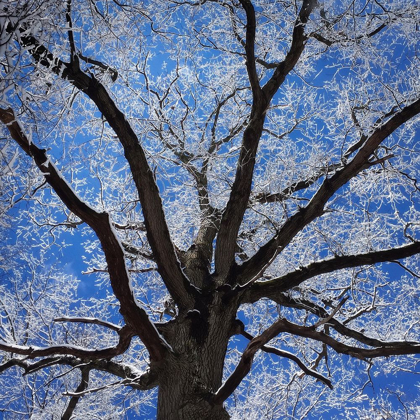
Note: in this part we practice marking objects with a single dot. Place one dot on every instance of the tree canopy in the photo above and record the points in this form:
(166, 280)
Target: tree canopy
(209, 208)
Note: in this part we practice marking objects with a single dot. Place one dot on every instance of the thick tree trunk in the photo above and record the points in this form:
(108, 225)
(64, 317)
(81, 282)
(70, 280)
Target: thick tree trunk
(182, 396)
(189, 378)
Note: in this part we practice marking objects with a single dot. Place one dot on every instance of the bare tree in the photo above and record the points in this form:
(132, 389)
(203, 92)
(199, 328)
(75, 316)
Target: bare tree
(240, 180)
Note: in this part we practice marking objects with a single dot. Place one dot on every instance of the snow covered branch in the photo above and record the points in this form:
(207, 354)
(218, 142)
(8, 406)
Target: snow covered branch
(277, 286)
(134, 315)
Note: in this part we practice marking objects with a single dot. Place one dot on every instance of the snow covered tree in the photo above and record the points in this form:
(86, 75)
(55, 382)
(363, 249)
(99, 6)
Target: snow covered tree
(210, 207)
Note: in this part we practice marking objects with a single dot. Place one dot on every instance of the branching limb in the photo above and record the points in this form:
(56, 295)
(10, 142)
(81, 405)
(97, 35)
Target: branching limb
(329, 42)
(298, 44)
(330, 316)
(104, 67)
(284, 326)
(32, 352)
(340, 327)
(241, 189)
(288, 355)
(133, 314)
(279, 285)
(12, 363)
(297, 186)
(154, 217)
(384, 350)
(251, 269)
(136, 380)
(244, 365)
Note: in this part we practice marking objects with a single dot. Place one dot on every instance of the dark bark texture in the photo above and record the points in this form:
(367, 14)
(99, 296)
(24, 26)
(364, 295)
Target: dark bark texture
(209, 281)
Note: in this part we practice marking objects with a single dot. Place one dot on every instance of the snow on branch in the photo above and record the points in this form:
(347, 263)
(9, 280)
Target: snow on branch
(315, 208)
(244, 365)
(288, 355)
(156, 227)
(384, 350)
(130, 376)
(284, 326)
(241, 189)
(340, 327)
(134, 315)
(32, 352)
(90, 321)
(281, 284)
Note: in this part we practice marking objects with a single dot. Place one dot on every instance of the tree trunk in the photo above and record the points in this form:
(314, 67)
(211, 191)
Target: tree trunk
(189, 378)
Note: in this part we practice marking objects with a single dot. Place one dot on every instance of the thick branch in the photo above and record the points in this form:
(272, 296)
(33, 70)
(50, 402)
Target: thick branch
(252, 269)
(241, 189)
(133, 314)
(31, 352)
(157, 229)
(270, 289)
(12, 363)
(239, 198)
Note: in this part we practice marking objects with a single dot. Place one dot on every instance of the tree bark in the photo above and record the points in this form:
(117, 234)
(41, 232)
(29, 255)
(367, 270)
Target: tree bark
(191, 375)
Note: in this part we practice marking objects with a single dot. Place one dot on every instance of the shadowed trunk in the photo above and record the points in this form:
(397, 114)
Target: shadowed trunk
(190, 376)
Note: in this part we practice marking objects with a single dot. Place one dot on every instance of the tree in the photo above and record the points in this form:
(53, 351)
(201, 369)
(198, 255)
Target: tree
(239, 177)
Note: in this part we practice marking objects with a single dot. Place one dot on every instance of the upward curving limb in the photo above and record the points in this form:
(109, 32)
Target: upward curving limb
(245, 364)
(134, 315)
(384, 349)
(277, 286)
(291, 356)
(241, 189)
(252, 269)
(157, 230)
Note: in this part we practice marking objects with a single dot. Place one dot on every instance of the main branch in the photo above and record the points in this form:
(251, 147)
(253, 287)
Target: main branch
(279, 285)
(252, 269)
(133, 314)
(154, 217)
(241, 189)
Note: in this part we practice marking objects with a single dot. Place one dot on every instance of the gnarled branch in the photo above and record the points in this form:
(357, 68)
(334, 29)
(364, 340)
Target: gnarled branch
(133, 314)
(154, 217)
